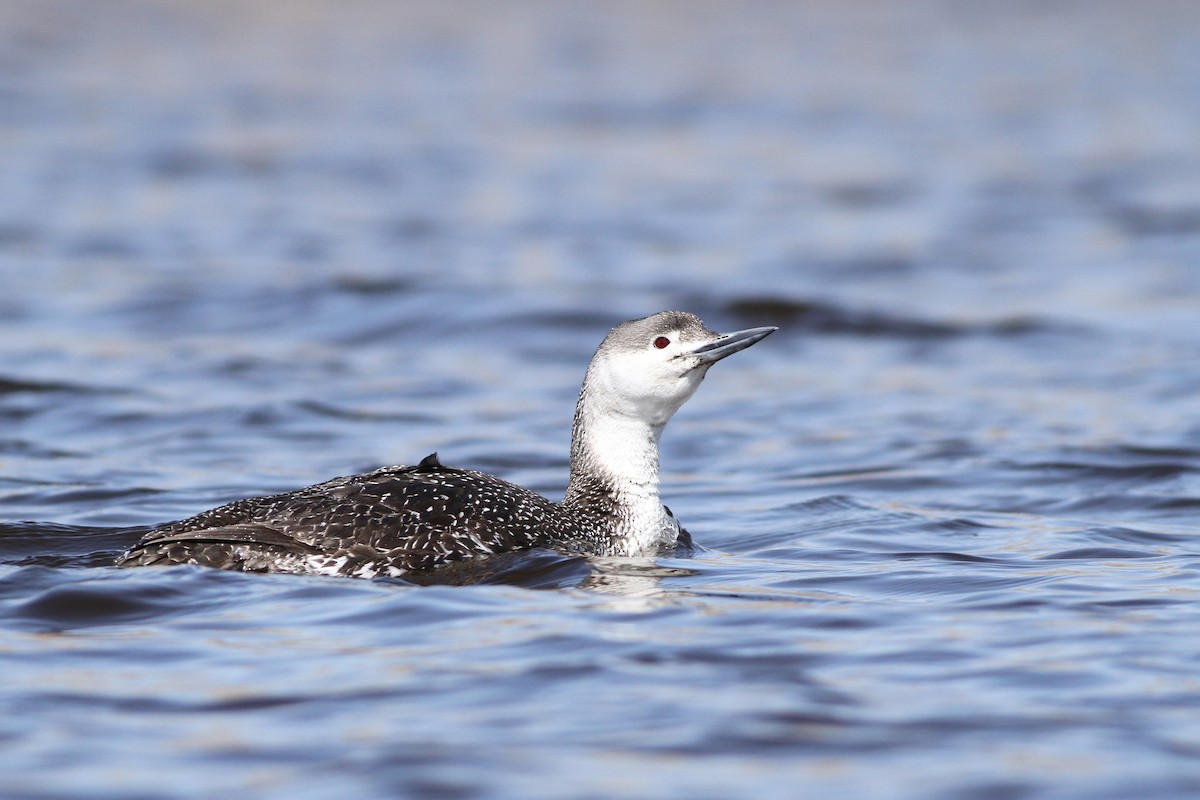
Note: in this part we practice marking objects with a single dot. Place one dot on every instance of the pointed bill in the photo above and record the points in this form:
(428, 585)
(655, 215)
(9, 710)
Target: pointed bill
(730, 343)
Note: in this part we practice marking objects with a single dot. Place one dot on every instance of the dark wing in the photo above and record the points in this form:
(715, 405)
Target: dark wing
(247, 547)
(389, 521)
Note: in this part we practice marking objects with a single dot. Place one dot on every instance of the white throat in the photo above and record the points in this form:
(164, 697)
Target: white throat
(619, 449)
(617, 453)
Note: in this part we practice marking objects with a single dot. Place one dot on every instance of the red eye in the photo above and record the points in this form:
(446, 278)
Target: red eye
(661, 342)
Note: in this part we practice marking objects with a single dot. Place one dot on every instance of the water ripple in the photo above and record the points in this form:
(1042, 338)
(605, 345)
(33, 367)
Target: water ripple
(945, 521)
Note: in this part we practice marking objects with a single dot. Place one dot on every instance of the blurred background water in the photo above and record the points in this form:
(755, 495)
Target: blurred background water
(948, 514)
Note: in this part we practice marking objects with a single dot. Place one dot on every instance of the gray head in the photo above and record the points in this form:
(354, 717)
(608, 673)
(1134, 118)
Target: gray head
(647, 368)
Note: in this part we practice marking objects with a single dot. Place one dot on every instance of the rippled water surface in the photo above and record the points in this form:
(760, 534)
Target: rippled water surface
(948, 515)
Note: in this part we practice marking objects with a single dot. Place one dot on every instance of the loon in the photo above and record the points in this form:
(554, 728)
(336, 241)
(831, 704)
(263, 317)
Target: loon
(412, 519)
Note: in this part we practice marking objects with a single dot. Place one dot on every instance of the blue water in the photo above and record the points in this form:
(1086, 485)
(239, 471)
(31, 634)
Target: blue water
(948, 516)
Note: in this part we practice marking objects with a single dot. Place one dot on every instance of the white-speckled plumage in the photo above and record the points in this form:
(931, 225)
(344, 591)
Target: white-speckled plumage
(399, 520)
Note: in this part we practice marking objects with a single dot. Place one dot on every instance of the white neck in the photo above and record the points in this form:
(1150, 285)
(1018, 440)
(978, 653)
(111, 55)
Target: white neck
(621, 450)
(617, 454)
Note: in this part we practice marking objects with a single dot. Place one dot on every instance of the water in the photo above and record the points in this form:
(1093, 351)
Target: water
(948, 514)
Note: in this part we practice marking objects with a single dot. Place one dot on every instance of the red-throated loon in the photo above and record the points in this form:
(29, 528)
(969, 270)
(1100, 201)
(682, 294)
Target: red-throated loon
(398, 520)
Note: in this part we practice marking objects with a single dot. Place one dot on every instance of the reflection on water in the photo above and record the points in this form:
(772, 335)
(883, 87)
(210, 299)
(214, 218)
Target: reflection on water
(945, 525)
